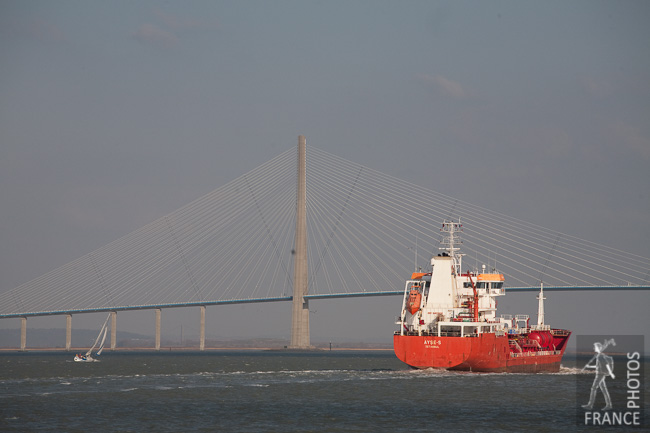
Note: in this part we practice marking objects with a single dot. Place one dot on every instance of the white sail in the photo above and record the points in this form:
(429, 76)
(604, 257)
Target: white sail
(103, 329)
(101, 346)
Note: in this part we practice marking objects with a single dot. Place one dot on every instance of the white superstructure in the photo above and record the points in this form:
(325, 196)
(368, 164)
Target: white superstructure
(446, 300)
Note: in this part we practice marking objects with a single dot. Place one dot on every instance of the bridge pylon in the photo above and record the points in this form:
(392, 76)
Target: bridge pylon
(300, 316)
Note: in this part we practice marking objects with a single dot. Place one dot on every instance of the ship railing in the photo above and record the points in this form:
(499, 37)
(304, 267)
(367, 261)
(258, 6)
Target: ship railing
(535, 353)
(455, 334)
(435, 334)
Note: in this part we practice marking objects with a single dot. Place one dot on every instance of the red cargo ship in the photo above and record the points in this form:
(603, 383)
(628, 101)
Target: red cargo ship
(448, 320)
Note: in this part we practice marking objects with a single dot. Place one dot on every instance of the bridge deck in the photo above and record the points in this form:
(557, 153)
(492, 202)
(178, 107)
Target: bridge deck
(290, 298)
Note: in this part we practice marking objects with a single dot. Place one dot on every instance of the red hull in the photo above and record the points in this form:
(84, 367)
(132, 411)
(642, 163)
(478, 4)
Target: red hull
(485, 353)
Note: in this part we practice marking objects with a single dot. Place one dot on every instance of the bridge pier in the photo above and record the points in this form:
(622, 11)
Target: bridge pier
(68, 332)
(158, 313)
(23, 333)
(113, 330)
(202, 329)
(300, 315)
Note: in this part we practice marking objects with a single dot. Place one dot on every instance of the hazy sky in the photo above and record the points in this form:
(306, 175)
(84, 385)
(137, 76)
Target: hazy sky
(113, 114)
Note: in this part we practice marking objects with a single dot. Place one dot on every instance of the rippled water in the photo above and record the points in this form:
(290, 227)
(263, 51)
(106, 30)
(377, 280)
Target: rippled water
(273, 392)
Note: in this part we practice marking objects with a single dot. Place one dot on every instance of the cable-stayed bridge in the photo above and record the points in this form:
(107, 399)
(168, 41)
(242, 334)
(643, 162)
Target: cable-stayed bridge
(364, 232)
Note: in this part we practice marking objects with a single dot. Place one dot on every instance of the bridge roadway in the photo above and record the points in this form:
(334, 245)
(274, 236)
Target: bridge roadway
(290, 298)
(202, 305)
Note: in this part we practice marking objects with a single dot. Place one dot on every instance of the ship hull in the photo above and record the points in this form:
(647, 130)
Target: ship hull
(484, 353)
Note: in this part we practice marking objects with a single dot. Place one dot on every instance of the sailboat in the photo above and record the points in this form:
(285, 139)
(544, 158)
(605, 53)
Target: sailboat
(102, 335)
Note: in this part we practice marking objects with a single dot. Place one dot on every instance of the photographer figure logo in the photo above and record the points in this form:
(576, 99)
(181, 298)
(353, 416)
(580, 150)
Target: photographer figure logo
(604, 366)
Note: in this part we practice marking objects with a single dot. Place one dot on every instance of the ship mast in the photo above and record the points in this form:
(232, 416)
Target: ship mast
(540, 306)
(449, 241)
